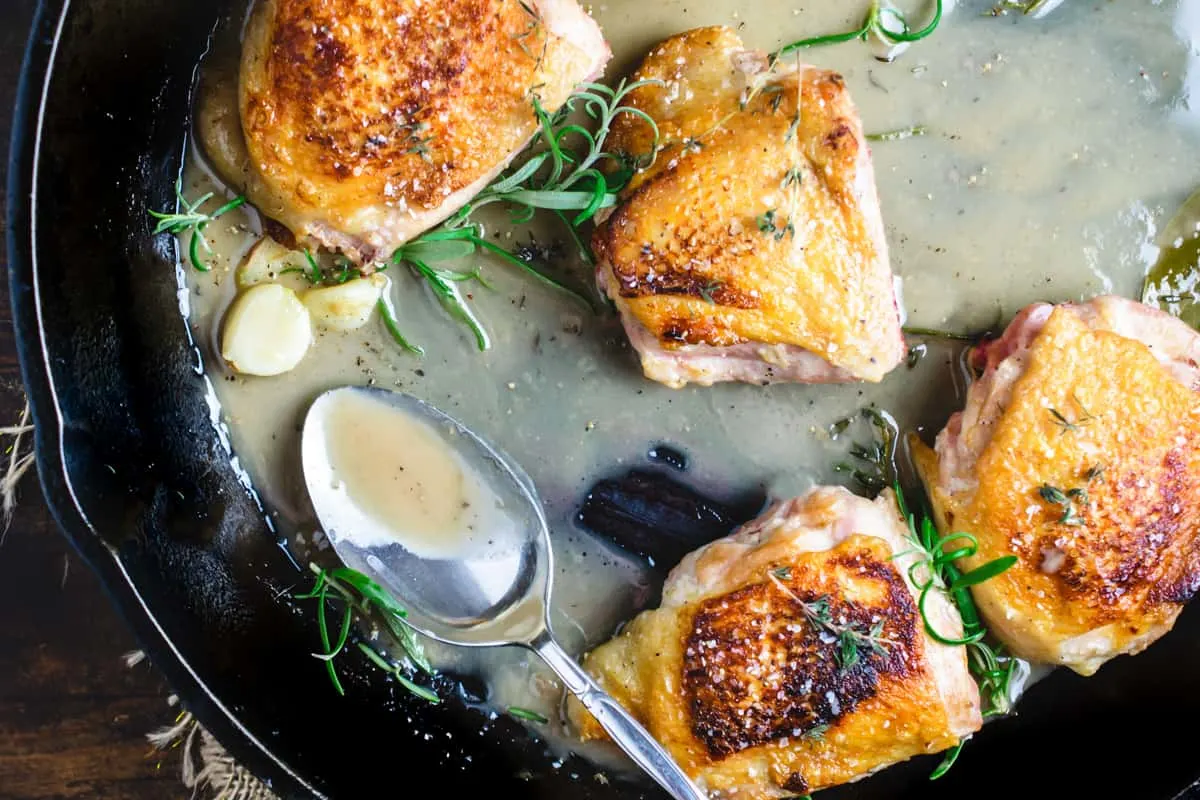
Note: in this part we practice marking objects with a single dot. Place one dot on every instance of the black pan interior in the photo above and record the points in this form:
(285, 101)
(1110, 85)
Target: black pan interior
(141, 480)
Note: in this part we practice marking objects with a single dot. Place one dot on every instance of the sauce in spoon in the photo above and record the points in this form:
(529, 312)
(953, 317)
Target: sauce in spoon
(407, 484)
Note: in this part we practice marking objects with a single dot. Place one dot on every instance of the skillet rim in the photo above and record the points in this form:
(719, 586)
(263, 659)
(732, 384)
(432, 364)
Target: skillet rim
(32, 94)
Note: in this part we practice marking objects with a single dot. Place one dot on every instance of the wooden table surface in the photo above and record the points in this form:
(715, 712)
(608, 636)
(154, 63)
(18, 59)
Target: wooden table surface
(73, 718)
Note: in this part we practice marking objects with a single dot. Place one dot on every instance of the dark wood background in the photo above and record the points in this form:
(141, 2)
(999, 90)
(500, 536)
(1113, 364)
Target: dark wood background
(73, 718)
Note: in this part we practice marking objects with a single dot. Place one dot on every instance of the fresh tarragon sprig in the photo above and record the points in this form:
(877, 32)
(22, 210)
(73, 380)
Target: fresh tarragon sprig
(349, 593)
(190, 219)
(565, 174)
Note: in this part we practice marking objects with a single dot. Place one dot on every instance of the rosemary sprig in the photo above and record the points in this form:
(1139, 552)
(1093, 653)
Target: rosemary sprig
(935, 570)
(192, 219)
(885, 22)
(770, 224)
(935, 333)
(359, 595)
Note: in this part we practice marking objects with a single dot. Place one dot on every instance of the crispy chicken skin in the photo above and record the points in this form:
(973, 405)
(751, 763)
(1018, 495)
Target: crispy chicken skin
(749, 695)
(752, 249)
(369, 121)
(1079, 451)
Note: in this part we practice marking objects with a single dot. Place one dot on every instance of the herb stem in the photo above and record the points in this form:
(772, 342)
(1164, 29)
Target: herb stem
(896, 135)
(873, 23)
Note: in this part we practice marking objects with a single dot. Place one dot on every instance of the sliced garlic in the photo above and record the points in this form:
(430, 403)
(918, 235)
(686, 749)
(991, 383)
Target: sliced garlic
(266, 261)
(267, 330)
(347, 306)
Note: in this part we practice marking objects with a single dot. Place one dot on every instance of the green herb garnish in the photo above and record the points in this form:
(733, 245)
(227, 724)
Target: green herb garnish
(769, 223)
(876, 460)
(886, 23)
(992, 669)
(562, 175)
(527, 715)
(192, 220)
(853, 638)
(359, 595)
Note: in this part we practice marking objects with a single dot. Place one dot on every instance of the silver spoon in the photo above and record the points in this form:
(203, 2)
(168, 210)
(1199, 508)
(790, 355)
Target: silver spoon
(488, 599)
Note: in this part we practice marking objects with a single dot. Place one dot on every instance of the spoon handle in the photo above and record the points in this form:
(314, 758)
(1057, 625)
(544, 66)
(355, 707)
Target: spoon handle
(626, 731)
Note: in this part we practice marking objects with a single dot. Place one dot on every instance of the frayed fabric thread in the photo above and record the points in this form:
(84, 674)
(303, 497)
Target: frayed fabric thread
(206, 769)
(20, 459)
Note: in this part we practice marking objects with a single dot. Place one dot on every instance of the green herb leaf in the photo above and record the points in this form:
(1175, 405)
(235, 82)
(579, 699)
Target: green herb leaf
(527, 715)
(948, 760)
(1052, 494)
(190, 218)
(983, 572)
(369, 589)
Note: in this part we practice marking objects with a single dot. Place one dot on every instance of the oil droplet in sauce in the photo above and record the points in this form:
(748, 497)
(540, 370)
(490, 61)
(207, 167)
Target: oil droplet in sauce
(402, 473)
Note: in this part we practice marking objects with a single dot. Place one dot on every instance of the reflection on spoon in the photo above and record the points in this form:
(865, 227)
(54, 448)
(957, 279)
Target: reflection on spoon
(404, 486)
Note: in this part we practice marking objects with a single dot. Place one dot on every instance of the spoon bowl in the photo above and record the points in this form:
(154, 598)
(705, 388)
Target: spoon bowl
(494, 591)
(494, 595)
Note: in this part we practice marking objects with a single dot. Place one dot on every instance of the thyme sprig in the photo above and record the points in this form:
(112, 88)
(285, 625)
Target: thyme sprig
(874, 467)
(1068, 424)
(883, 21)
(1071, 500)
(190, 219)
(358, 595)
(853, 638)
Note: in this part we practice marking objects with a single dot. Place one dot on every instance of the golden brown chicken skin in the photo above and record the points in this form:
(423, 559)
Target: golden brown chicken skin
(1079, 451)
(745, 672)
(752, 248)
(369, 121)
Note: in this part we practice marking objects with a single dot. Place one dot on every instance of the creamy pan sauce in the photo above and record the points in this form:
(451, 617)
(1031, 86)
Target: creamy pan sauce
(1055, 150)
(401, 473)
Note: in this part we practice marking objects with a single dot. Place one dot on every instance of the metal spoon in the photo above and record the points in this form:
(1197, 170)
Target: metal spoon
(488, 599)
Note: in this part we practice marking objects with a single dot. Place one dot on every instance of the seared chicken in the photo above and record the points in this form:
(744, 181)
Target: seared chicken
(752, 249)
(369, 121)
(790, 656)
(1079, 451)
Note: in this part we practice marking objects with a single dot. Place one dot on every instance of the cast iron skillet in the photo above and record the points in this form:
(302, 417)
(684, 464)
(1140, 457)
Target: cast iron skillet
(140, 477)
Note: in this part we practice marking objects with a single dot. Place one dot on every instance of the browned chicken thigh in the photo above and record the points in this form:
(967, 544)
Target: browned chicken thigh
(369, 121)
(791, 656)
(752, 249)
(1079, 451)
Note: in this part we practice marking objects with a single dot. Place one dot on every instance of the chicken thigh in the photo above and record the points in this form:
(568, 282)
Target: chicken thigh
(368, 121)
(1079, 451)
(752, 249)
(791, 656)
